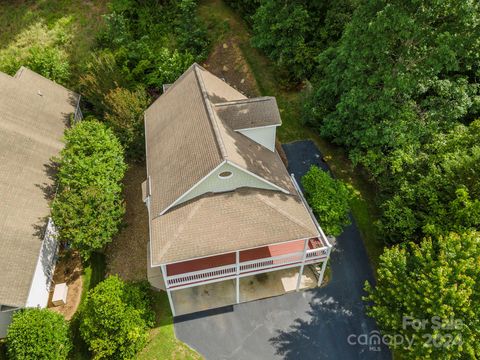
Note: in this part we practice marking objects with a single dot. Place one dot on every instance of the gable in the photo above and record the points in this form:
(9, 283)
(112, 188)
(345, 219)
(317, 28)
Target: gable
(264, 135)
(215, 183)
(180, 142)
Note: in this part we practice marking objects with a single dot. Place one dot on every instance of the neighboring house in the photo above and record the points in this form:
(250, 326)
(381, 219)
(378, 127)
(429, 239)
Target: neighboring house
(34, 112)
(221, 203)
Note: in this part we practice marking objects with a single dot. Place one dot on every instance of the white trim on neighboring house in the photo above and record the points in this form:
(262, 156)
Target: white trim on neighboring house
(78, 111)
(191, 189)
(49, 235)
(258, 177)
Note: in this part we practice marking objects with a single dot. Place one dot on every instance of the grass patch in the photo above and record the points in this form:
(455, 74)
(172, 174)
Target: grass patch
(224, 23)
(3, 350)
(93, 273)
(67, 26)
(162, 343)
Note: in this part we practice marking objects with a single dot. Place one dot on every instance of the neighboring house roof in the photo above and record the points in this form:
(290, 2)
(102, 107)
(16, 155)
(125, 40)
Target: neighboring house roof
(249, 113)
(190, 132)
(33, 114)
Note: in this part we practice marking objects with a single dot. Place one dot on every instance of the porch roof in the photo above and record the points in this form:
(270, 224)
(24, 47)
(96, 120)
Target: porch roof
(225, 222)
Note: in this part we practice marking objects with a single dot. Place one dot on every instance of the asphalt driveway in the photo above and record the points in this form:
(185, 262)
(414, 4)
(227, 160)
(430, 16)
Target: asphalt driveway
(321, 323)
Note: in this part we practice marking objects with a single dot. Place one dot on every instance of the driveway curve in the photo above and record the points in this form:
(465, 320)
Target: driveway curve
(323, 323)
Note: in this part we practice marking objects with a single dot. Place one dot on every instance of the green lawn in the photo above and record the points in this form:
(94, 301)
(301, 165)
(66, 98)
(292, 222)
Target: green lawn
(163, 344)
(67, 25)
(223, 24)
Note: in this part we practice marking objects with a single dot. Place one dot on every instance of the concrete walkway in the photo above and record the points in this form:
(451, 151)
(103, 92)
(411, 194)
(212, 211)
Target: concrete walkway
(313, 324)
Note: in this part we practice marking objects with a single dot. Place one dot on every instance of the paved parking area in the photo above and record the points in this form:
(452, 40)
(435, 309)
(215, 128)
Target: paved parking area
(313, 324)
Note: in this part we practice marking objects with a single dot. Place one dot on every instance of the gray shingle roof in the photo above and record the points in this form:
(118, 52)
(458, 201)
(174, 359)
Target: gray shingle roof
(33, 115)
(187, 137)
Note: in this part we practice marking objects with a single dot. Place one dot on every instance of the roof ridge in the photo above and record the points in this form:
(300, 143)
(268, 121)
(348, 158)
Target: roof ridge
(247, 100)
(210, 115)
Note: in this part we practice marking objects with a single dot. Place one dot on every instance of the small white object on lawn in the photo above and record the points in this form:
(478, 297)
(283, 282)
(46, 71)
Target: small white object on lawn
(60, 294)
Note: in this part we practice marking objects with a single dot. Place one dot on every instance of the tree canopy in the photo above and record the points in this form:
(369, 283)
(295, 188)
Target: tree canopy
(88, 208)
(329, 199)
(38, 334)
(115, 319)
(436, 282)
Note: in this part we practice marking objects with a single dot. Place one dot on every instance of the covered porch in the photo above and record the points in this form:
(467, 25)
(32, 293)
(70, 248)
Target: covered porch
(254, 287)
(245, 275)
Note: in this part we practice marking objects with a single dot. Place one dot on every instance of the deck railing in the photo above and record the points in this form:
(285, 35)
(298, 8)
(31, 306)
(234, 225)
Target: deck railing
(247, 267)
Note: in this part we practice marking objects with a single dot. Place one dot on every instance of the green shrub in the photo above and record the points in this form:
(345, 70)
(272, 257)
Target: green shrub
(115, 319)
(88, 218)
(434, 282)
(125, 116)
(103, 75)
(38, 334)
(329, 199)
(88, 209)
(49, 62)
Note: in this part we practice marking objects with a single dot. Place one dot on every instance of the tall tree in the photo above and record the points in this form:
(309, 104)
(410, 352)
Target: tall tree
(427, 298)
(403, 71)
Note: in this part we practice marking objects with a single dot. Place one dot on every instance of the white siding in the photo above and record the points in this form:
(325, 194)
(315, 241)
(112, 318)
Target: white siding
(42, 278)
(5, 320)
(214, 183)
(264, 136)
(154, 274)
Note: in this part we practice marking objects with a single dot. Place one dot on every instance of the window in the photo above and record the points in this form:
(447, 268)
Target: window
(225, 175)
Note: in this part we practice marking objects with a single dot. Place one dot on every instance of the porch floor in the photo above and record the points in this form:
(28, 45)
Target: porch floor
(222, 293)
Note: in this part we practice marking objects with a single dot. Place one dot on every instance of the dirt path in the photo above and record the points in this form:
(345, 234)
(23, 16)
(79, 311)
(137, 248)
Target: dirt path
(127, 253)
(68, 270)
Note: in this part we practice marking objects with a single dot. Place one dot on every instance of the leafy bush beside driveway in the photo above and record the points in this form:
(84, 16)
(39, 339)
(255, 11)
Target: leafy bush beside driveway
(329, 199)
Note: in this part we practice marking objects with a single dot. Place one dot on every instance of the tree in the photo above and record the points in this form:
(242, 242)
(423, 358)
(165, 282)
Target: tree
(293, 32)
(438, 191)
(115, 319)
(125, 116)
(329, 199)
(436, 282)
(88, 218)
(402, 72)
(38, 334)
(88, 209)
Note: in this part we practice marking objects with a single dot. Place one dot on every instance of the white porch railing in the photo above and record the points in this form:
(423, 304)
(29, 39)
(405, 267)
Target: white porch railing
(247, 267)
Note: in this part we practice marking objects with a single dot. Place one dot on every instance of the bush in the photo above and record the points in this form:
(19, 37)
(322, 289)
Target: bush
(89, 209)
(49, 62)
(102, 76)
(437, 282)
(125, 116)
(329, 199)
(38, 334)
(153, 42)
(115, 319)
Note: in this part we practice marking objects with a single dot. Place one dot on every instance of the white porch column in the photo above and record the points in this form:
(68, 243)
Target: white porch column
(324, 266)
(300, 273)
(167, 287)
(237, 282)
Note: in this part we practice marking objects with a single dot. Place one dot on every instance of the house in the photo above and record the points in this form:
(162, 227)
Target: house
(222, 206)
(34, 112)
